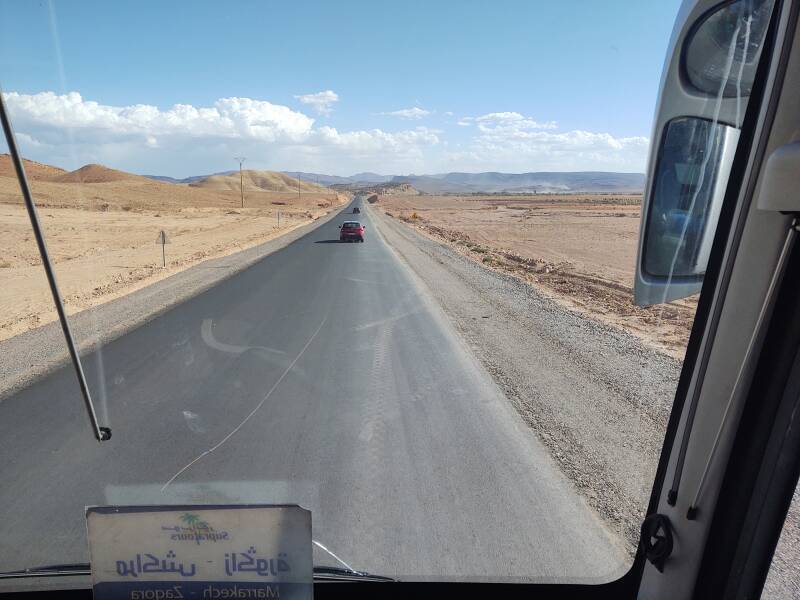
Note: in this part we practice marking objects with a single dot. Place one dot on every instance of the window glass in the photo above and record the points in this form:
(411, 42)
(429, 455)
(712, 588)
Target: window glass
(467, 394)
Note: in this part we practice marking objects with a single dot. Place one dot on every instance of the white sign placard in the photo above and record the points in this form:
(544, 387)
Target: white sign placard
(200, 552)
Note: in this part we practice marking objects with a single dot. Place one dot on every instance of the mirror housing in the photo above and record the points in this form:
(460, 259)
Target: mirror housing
(711, 60)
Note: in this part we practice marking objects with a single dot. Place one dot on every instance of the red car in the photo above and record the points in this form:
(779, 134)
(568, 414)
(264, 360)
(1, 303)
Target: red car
(351, 231)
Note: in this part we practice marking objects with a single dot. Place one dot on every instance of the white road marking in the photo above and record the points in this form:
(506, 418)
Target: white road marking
(207, 334)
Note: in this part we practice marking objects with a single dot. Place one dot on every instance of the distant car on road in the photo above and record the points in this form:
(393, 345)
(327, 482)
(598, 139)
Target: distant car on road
(351, 231)
(356, 210)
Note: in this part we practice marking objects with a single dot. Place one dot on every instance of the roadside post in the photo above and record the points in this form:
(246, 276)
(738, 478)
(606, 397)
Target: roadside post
(162, 239)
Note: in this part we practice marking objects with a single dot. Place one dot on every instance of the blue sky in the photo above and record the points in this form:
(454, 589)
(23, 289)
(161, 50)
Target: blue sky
(335, 87)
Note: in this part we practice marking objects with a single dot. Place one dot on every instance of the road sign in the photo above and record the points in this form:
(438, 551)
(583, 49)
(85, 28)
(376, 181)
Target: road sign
(163, 240)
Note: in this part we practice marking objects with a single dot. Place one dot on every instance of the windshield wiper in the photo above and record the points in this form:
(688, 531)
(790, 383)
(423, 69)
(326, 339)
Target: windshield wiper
(339, 574)
(66, 570)
(78, 569)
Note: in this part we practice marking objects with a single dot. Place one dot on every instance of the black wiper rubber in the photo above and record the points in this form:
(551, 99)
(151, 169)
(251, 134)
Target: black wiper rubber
(339, 574)
(66, 570)
(78, 569)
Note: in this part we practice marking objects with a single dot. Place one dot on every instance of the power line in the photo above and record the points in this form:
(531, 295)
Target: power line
(240, 160)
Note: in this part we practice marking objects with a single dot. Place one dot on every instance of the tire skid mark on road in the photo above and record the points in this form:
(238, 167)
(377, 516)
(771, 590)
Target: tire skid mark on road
(375, 437)
(367, 281)
(385, 322)
(373, 434)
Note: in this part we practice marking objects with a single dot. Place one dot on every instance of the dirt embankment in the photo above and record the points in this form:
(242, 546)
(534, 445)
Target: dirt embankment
(579, 249)
(101, 227)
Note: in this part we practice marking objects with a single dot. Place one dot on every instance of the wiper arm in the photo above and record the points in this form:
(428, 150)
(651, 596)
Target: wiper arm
(101, 433)
(78, 569)
(65, 570)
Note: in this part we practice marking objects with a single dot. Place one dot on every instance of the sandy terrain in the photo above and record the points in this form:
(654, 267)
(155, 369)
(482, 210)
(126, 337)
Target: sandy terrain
(101, 228)
(268, 181)
(580, 249)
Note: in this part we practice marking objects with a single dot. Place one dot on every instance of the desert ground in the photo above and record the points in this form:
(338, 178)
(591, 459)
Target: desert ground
(101, 228)
(579, 249)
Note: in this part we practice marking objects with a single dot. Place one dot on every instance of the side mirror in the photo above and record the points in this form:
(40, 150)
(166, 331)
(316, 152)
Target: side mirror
(683, 208)
(712, 59)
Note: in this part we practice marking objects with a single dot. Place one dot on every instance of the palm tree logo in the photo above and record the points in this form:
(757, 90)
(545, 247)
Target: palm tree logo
(190, 519)
(196, 525)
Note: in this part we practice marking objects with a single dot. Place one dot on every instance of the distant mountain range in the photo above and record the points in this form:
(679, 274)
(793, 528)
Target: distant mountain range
(522, 183)
(371, 178)
(191, 179)
(338, 180)
(493, 182)
(469, 183)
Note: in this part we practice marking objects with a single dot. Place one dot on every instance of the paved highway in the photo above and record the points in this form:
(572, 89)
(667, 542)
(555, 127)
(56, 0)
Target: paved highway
(322, 375)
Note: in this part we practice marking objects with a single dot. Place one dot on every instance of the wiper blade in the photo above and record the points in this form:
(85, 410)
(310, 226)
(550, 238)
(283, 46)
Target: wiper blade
(65, 570)
(339, 574)
(78, 569)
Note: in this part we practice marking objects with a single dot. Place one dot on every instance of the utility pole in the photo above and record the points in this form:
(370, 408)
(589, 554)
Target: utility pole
(298, 185)
(241, 160)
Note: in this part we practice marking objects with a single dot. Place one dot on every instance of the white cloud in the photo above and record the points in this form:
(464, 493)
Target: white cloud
(517, 149)
(511, 141)
(408, 113)
(69, 131)
(52, 116)
(511, 120)
(26, 139)
(448, 113)
(320, 102)
(376, 140)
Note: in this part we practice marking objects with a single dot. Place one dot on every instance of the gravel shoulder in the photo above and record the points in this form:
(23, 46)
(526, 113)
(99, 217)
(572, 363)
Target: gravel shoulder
(35, 353)
(580, 251)
(597, 397)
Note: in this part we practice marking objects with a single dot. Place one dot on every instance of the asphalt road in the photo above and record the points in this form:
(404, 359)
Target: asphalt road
(323, 375)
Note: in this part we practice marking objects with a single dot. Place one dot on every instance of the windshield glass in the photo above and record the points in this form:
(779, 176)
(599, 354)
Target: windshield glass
(463, 390)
